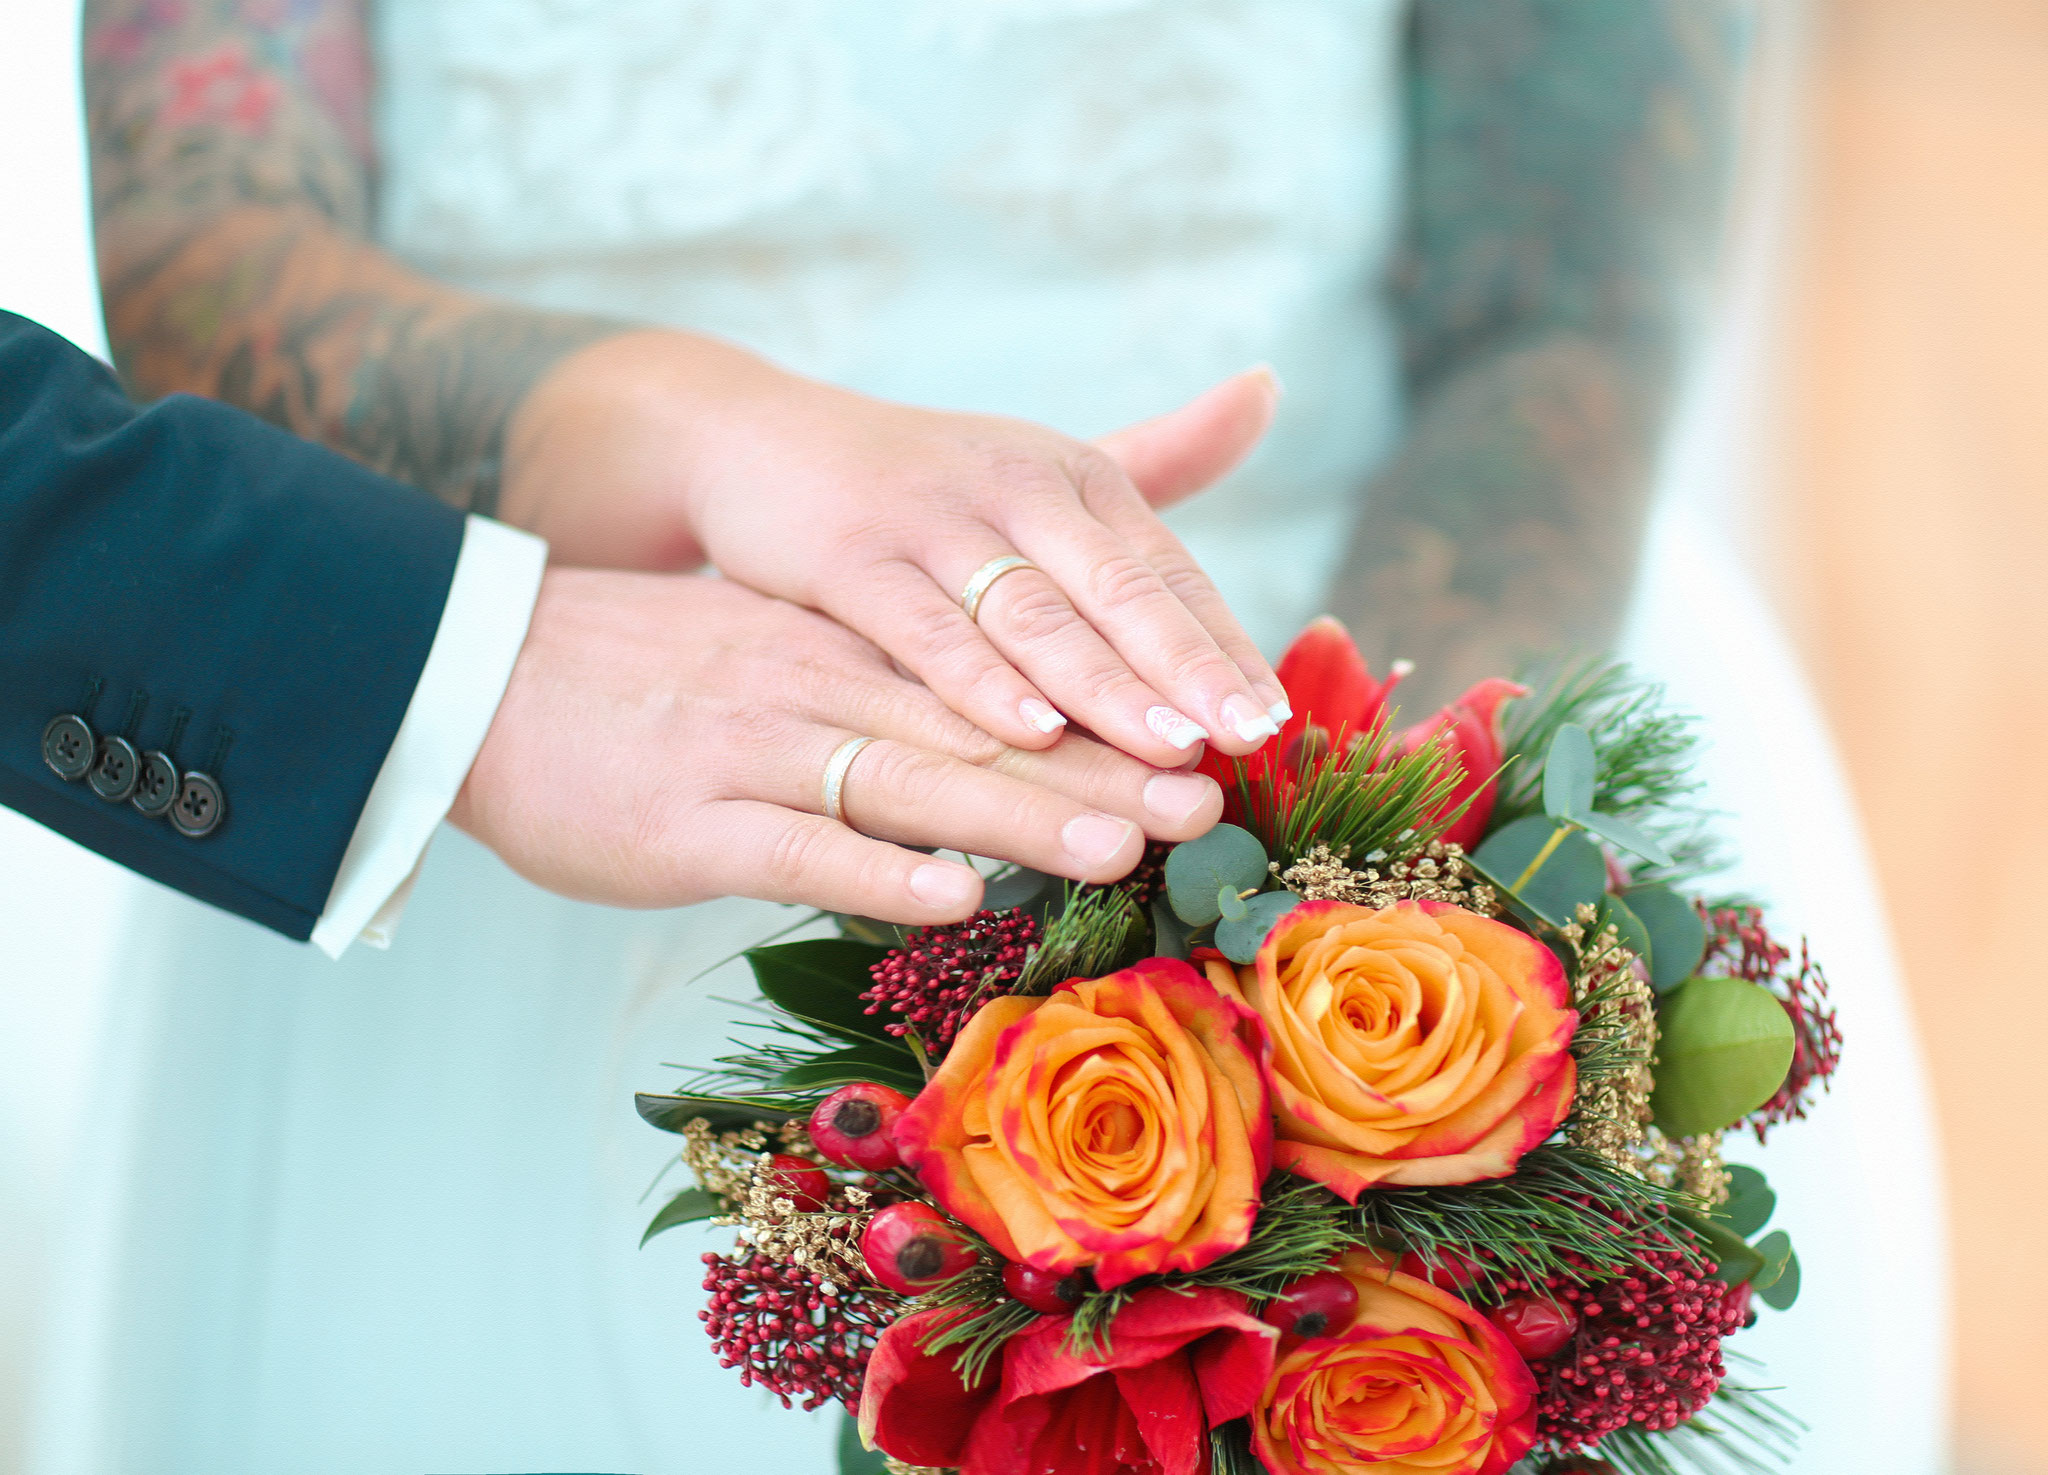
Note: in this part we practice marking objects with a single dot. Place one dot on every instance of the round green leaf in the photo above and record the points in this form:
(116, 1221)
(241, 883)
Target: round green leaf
(1784, 1287)
(1723, 1049)
(1229, 904)
(1574, 873)
(1197, 870)
(1240, 938)
(1750, 1201)
(1776, 1248)
(1568, 770)
(687, 1207)
(1678, 937)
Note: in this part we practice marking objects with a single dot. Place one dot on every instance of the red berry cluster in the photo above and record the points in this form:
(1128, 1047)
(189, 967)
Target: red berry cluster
(1646, 1351)
(789, 1330)
(1743, 948)
(941, 975)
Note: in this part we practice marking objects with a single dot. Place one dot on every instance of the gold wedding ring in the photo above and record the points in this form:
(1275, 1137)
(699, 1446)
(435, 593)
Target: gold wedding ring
(984, 579)
(833, 791)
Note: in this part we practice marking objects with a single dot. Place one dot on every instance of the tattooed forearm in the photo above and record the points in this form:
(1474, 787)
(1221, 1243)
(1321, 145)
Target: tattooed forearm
(1567, 166)
(232, 178)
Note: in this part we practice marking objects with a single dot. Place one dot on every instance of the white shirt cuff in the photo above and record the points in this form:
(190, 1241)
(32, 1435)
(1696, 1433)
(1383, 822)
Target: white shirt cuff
(483, 626)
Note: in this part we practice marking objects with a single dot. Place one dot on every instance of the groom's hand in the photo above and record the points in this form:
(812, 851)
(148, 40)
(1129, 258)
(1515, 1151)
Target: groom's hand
(664, 737)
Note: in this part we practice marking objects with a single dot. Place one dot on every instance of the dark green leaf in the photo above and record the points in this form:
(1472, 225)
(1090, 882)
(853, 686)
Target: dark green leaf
(1617, 831)
(869, 930)
(1019, 886)
(1239, 939)
(820, 980)
(1627, 926)
(1750, 1201)
(1169, 932)
(854, 1459)
(1678, 936)
(1574, 873)
(1198, 869)
(1723, 1049)
(1784, 1290)
(725, 1114)
(1776, 1248)
(1568, 772)
(835, 1068)
(687, 1207)
(1735, 1260)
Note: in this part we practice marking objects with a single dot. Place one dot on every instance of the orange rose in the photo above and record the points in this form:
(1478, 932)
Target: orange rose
(1418, 1384)
(1120, 1123)
(1418, 1044)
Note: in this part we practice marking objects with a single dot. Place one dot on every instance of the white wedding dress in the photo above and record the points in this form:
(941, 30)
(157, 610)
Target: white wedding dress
(382, 1216)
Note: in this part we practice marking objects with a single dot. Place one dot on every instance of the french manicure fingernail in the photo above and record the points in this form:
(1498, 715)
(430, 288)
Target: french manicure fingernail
(1039, 716)
(947, 888)
(1280, 711)
(1247, 721)
(1091, 839)
(1173, 727)
(1173, 797)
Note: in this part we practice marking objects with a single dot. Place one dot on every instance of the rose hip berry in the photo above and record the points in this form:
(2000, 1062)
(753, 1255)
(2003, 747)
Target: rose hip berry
(1049, 1291)
(910, 1248)
(851, 1126)
(1320, 1305)
(801, 1181)
(1539, 1329)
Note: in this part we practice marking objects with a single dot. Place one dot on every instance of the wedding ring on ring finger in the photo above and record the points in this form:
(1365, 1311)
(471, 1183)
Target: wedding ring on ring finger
(983, 579)
(832, 790)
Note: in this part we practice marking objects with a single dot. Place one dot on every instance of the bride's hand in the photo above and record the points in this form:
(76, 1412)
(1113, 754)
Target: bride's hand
(664, 737)
(657, 450)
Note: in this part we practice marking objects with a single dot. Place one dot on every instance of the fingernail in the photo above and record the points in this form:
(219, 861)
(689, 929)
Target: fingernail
(1272, 375)
(1093, 838)
(1038, 715)
(1247, 721)
(1173, 727)
(1174, 797)
(942, 887)
(1280, 711)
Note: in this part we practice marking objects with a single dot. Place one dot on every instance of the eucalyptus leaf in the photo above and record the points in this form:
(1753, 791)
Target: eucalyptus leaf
(1776, 1248)
(835, 1068)
(1735, 1260)
(1627, 926)
(1750, 1201)
(1569, 769)
(854, 1457)
(1723, 1049)
(687, 1207)
(673, 1113)
(1239, 939)
(1678, 936)
(1619, 832)
(1197, 871)
(1574, 873)
(1169, 933)
(820, 980)
(1229, 904)
(1784, 1290)
(1019, 886)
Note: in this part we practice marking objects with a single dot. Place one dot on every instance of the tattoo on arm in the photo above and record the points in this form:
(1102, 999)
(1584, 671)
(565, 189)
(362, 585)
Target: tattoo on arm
(233, 171)
(1567, 166)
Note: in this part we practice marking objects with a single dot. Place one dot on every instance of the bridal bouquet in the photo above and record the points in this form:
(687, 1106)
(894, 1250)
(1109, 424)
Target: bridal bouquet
(1376, 1130)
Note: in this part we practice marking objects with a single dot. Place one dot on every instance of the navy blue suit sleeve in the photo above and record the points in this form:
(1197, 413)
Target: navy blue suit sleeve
(206, 574)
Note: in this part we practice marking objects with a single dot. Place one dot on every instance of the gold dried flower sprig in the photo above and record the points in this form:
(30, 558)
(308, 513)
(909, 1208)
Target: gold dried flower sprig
(737, 1166)
(1439, 872)
(1690, 1164)
(1618, 1014)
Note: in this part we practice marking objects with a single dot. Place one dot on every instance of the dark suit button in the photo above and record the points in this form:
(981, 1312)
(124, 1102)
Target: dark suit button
(200, 807)
(68, 747)
(156, 786)
(113, 776)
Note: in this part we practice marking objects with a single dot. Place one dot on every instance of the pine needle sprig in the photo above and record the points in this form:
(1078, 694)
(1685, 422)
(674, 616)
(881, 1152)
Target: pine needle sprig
(1230, 1450)
(991, 1318)
(1742, 1432)
(1359, 796)
(1647, 756)
(1605, 1046)
(1096, 931)
(753, 1073)
(1561, 1202)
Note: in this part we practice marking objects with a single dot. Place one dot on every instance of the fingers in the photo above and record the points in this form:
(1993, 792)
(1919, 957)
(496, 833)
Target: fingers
(898, 791)
(778, 854)
(1175, 455)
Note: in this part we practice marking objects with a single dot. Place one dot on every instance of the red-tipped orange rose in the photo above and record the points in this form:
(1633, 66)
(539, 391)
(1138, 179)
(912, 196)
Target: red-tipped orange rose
(1120, 1123)
(1420, 1384)
(1417, 1044)
(1175, 1365)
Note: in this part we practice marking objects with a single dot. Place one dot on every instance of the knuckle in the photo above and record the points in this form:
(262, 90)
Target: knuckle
(1039, 611)
(799, 850)
(1123, 581)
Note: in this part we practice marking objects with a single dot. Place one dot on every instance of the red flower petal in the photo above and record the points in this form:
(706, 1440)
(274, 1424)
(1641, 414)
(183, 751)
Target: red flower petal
(912, 1404)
